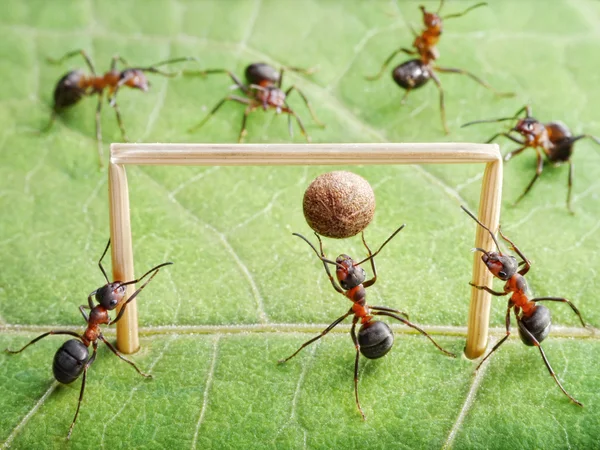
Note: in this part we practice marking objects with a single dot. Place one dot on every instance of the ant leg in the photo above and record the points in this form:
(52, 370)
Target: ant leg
(87, 365)
(357, 347)
(538, 172)
(308, 105)
(403, 99)
(42, 336)
(69, 55)
(537, 344)
(203, 73)
(99, 130)
(501, 341)
(114, 350)
(372, 281)
(487, 289)
(243, 132)
(516, 152)
(234, 98)
(50, 122)
(115, 59)
(113, 103)
(385, 308)
(442, 108)
(83, 313)
(382, 245)
(570, 185)
(526, 261)
(134, 295)
(562, 300)
(333, 283)
(300, 124)
(323, 259)
(416, 327)
(323, 333)
(100, 261)
(388, 61)
(475, 78)
(90, 299)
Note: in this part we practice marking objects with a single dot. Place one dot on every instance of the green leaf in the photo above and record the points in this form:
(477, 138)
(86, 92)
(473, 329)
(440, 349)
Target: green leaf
(243, 292)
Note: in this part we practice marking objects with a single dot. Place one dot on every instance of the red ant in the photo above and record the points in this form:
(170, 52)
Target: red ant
(375, 338)
(262, 91)
(533, 320)
(414, 73)
(76, 84)
(73, 357)
(553, 138)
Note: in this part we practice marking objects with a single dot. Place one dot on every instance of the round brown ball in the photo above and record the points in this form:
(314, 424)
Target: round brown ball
(339, 204)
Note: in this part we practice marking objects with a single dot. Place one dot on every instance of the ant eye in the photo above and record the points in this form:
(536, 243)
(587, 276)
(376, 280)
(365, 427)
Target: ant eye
(502, 274)
(113, 302)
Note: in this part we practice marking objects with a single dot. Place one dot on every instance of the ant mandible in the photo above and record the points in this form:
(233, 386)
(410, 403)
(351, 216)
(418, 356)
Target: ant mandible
(262, 91)
(553, 138)
(414, 73)
(533, 320)
(375, 338)
(76, 84)
(73, 357)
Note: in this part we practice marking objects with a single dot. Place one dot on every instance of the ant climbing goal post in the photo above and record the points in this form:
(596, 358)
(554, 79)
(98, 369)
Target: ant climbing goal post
(122, 155)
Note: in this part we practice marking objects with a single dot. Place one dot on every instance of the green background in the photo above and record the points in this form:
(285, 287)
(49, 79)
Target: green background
(244, 292)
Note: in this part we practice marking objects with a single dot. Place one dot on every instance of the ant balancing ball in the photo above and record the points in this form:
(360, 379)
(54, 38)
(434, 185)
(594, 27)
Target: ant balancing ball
(339, 204)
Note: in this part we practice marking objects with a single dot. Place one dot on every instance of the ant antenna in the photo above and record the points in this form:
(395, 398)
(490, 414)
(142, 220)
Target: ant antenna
(453, 16)
(382, 245)
(525, 109)
(147, 273)
(325, 260)
(100, 262)
(483, 226)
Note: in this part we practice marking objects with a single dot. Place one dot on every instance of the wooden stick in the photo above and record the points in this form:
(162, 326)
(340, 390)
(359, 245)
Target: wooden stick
(302, 154)
(489, 215)
(122, 255)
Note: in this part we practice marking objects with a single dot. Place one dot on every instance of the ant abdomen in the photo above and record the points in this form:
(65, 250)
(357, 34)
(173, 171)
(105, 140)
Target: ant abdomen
(69, 361)
(412, 74)
(258, 73)
(68, 90)
(538, 324)
(375, 339)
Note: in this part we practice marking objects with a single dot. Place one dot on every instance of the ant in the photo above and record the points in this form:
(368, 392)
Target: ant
(262, 91)
(553, 138)
(414, 73)
(73, 357)
(76, 84)
(533, 320)
(375, 338)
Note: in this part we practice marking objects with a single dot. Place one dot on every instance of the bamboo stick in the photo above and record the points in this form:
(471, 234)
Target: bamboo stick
(302, 154)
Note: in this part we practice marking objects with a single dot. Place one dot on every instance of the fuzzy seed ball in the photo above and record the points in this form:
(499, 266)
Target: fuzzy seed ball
(339, 204)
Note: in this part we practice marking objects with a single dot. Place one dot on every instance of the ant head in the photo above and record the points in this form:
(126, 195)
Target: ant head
(431, 20)
(501, 266)
(135, 78)
(529, 127)
(349, 274)
(111, 294)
